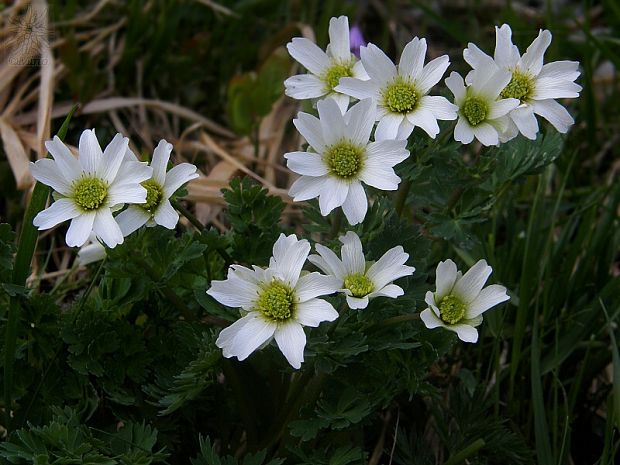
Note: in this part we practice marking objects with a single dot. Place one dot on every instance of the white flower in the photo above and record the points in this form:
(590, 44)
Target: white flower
(157, 209)
(89, 189)
(481, 113)
(361, 281)
(343, 158)
(277, 302)
(401, 93)
(460, 300)
(326, 68)
(535, 85)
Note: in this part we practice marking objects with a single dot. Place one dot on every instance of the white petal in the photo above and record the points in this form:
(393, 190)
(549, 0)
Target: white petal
(244, 336)
(379, 175)
(91, 253)
(80, 228)
(532, 59)
(425, 119)
(133, 172)
(387, 129)
(475, 57)
(90, 151)
(377, 64)
(341, 100)
(493, 84)
(352, 253)
(315, 284)
(357, 88)
(486, 134)
(355, 205)
(445, 277)
(432, 73)
(412, 59)
(463, 131)
(310, 128)
(560, 71)
(549, 87)
(61, 210)
(237, 290)
(307, 187)
(555, 113)
(165, 215)
(159, 163)
(405, 129)
(131, 219)
(506, 54)
(465, 332)
(289, 257)
(359, 72)
(126, 193)
(333, 195)
(388, 152)
(361, 119)
(489, 297)
(328, 262)
(339, 38)
(47, 171)
(309, 55)
(304, 86)
(357, 303)
(430, 300)
(455, 83)
(68, 165)
(107, 229)
(439, 106)
(502, 107)
(112, 158)
(468, 287)
(177, 176)
(314, 311)
(430, 320)
(291, 340)
(525, 120)
(390, 267)
(332, 121)
(306, 163)
(391, 290)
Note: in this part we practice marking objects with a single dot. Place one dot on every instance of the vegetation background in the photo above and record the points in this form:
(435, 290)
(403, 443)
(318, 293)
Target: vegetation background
(115, 363)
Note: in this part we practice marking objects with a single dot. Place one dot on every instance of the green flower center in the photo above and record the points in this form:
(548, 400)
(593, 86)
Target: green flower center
(90, 193)
(520, 87)
(154, 194)
(344, 159)
(359, 284)
(276, 301)
(400, 97)
(475, 110)
(335, 72)
(451, 309)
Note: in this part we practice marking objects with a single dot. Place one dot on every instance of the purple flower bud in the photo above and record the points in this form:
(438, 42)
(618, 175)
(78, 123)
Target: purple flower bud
(356, 40)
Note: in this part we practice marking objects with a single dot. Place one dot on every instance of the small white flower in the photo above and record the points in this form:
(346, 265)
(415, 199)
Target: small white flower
(481, 113)
(401, 93)
(361, 281)
(157, 210)
(89, 189)
(277, 302)
(460, 300)
(326, 68)
(535, 85)
(343, 158)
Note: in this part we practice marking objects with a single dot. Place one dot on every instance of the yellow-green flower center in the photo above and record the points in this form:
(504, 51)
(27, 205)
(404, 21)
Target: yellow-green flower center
(475, 110)
(89, 193)
(154, 194)
(359, 284)
(400, 97)
(276, 301)
(344, 159)
(520, 87)
(451, 309)
(335, 72)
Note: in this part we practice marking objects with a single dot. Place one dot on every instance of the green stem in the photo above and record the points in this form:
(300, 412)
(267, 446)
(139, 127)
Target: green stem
(336, 223)
(401, 196)
(399, 319)
(187, 214)
(470, 450)
(26, 245)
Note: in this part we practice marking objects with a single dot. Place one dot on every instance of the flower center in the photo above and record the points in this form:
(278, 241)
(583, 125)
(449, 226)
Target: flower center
(276, 301)
(451, 309)
(335, 72)
(344, 159)
(154, 194)
(359, 284)
(475, 110)
(90, 193)
(400, 97)
(519, 87)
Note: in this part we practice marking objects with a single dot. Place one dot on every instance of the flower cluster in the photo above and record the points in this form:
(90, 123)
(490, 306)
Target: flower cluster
(88, 190)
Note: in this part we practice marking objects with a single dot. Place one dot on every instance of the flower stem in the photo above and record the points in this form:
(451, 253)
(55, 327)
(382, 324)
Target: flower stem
(464, 454)
(401, 197)
(187, 214)
(400, 319)
(26, 245)
(336, 223)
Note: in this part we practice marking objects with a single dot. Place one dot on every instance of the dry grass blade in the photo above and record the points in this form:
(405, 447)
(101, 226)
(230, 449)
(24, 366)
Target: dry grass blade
(16, 154)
